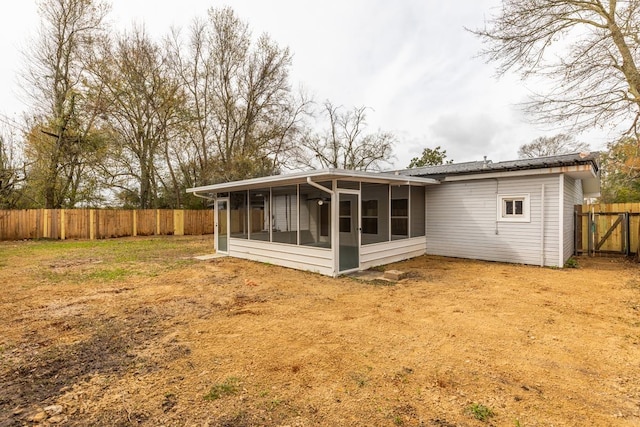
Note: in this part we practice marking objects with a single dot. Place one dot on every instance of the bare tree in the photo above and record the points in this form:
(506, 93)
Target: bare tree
(543, 146)
(54, 82)
(12, 171)
(140, 102)
(344, 144)
(588, 48)
(241, 116)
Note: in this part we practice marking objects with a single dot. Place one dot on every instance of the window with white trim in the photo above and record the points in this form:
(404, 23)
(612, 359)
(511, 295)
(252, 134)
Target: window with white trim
(513, 208)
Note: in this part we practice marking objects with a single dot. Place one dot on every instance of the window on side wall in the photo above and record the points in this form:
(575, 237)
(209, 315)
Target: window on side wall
(513, 208)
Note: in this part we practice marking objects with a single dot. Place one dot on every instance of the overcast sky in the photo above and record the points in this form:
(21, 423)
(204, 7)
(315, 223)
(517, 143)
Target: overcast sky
(411, 61)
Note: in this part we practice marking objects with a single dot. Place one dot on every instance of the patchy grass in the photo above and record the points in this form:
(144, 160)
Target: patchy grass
(109, 250)
(110, 274)
(228, 387)
(480, 412)
(77, 261)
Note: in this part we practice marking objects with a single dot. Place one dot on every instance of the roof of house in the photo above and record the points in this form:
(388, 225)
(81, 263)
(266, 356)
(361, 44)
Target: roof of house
(487, 166)
(573, 164)
(583, 166)
(314, 176)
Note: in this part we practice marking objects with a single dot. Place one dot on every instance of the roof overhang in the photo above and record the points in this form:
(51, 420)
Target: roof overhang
(209, 191)
(585, 172)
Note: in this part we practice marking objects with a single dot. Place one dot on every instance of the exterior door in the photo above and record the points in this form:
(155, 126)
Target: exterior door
(222, 226)
(348, 231)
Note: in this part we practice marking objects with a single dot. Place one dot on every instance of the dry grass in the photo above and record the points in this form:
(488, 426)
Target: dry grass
(137, 332)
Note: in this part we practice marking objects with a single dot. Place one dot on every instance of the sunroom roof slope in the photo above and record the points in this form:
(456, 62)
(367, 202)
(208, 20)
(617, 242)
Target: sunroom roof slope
(315, 175)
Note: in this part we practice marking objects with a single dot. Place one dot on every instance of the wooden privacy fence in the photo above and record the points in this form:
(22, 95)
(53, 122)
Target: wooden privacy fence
(102, 223)
(607, 228)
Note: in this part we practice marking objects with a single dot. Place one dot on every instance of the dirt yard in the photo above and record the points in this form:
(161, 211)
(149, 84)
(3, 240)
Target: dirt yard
(137, 332)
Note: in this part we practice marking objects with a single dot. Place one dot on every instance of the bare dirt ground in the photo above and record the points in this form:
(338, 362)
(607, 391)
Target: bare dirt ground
(136, 332)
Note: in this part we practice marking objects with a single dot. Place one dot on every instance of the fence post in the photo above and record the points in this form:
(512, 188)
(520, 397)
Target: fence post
(157, 222)
(38, 227)
(62, 225)
(92, 224)
(178, 222)
(627, 234)
(135, 223)
(43, 222)
(48, 224)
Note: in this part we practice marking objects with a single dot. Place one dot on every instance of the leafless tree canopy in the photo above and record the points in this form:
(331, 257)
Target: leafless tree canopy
(588, 48)
(242, 116)
(12, 170)
(552, 145)
(120, 118)
(140, 104)
(54, 76)
(345, 143)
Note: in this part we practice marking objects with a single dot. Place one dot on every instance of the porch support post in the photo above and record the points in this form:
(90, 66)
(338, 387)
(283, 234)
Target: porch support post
(334, 219)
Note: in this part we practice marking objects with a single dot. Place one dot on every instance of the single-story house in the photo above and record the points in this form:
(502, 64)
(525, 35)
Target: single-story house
(334, 221)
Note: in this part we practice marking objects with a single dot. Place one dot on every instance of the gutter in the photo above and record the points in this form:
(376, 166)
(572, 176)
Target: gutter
(522, 172)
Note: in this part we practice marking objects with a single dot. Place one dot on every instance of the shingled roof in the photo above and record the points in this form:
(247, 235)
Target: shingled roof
(487, 166)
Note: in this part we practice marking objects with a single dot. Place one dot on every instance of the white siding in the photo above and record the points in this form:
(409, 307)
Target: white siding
(284, 213)
(388, 252)
(572, 196)
(319, 260)
(461, 221)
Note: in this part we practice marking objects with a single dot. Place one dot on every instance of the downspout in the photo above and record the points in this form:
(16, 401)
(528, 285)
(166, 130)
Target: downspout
(498, 206)
(297, 214)
(542, 227)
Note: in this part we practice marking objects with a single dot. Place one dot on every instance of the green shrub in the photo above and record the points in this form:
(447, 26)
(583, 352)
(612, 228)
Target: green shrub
(571, 263)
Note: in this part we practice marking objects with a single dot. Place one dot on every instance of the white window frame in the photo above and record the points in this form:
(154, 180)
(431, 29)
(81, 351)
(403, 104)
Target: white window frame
(502, 215)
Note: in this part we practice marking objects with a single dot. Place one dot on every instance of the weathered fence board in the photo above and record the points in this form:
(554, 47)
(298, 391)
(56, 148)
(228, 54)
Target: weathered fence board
(102, 223)
(146, 222)
(198, 222)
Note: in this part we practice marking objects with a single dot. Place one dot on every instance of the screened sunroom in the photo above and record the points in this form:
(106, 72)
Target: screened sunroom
(328, 221)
